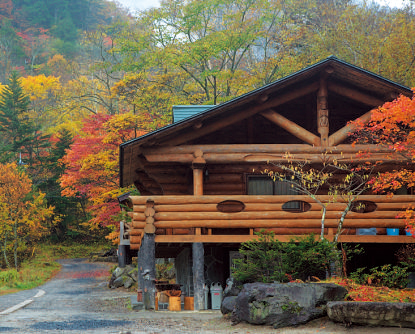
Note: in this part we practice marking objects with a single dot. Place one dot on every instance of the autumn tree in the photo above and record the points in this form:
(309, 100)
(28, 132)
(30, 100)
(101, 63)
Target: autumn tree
(92, 166)
(392, 125)
(26, 218)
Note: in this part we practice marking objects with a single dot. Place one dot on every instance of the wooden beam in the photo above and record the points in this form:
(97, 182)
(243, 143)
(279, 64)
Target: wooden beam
(269, 223)
(291, 127)
(355, 95)
(340, 135)
(243, 115)
(284, 238)
(294, 216)
(249, 207)
(323, 112)
(262, 148)
(188, 199)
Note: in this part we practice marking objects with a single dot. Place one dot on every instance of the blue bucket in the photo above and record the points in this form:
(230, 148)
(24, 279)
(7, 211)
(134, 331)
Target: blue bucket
(408, 233)
(392, 231)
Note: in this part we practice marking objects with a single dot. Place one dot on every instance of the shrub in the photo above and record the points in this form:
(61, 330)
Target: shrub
(267, 259)
(394, 277)
(264, 260)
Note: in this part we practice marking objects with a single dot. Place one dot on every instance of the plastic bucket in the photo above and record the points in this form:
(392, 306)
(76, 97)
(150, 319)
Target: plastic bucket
(408, 233)
(392, 231)
(189, 303)
(175, 304)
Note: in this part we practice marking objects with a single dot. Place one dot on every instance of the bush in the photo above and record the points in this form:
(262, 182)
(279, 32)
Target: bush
(264, 260)
(267, 259)
(394, 277)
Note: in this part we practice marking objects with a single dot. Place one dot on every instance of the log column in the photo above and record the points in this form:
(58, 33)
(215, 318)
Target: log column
(323, 112)
(198, 252)
(147, 260)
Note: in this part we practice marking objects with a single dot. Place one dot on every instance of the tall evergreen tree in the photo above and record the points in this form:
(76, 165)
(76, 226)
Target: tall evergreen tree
(20, 135)
(15, 127)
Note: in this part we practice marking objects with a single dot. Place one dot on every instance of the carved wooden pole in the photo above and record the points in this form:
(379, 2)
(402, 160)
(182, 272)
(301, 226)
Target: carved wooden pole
(323, 112)
(198, 252)
(148, 259)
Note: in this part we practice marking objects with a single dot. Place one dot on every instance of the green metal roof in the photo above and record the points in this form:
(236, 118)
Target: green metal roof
(186, 111)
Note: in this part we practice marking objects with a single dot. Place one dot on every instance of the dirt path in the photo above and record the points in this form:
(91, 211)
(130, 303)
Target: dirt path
(78, 300)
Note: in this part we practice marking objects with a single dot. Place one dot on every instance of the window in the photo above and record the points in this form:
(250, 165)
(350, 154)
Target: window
(264, 185)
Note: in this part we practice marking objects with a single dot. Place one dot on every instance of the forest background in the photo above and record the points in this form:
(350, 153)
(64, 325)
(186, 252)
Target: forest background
(79, 77)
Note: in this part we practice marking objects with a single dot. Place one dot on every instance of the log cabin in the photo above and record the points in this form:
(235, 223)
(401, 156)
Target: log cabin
(202, 190)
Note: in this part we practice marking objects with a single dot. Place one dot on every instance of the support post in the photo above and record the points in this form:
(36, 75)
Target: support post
(198, 275)
(147, 262)
(323, 112)
(198, 166)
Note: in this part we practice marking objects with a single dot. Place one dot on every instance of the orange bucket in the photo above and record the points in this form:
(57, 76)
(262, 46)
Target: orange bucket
(189, 303)
(175, 304)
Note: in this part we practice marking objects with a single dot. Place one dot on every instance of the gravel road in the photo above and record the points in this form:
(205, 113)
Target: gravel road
(78, 300)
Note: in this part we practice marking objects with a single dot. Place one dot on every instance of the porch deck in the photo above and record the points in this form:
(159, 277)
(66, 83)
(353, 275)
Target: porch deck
(235, 219)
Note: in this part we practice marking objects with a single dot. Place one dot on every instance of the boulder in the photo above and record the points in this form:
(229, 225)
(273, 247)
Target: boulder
(117, 283)
(133, 273)
(228, 304)
(119, 272)
(281, 305)
(373, 313)
(128, 282)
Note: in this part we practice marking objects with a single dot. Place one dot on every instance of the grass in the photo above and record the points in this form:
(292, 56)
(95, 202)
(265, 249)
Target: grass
(41, 266)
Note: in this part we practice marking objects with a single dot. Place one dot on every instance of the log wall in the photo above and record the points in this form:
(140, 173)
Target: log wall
(178, 219)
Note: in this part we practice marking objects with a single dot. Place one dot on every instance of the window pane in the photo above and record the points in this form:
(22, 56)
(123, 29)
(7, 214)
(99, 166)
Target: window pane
(260, 186)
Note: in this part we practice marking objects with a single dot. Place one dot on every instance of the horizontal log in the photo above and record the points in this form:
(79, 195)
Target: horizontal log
(244, 238)
(139, 216)
(269, 223)
(135, 239)
(141, 200)
(296, 231)
(397, 207)
(138, 224)
(226, 158)
(136, 231)
(267, 148)
(177, 216)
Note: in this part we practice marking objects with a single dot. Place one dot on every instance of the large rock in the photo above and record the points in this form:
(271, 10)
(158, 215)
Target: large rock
(373, 313)
(281, 305)
(228, 304)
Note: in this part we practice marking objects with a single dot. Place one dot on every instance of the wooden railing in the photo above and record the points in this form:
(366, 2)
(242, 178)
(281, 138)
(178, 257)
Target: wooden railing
(234, 219)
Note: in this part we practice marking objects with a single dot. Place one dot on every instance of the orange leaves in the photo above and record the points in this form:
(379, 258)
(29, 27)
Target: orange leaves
(393, 125)
(368, 293)
(92, 164)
